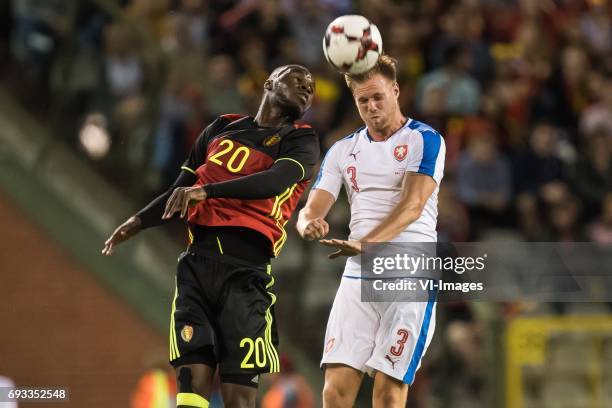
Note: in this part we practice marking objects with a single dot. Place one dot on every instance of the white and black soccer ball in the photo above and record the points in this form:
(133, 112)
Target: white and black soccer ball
(352, 44)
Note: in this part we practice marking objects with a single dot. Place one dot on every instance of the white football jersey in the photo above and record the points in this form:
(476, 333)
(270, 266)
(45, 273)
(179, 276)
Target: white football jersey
(372, 174)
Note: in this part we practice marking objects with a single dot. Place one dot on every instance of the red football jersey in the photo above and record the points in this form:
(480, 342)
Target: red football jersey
(234, 146)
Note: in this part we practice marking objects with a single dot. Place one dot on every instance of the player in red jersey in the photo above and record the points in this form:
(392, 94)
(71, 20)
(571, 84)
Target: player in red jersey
(238, 188)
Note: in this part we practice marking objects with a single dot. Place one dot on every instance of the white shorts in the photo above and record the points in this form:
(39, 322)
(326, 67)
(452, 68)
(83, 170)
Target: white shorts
(390, 337)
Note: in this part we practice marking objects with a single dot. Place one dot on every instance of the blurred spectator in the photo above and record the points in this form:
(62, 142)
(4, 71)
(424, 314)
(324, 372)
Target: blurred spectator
(599, 115)
(288, 389)
(123, 67)
(39, 28)
(596, 27)
(222, 93)
(196, 24)
(323, 112)
(593, 172)
(449, 89)
(170, 143)
(532, 51)
(484, 178)
(530, 222)
(149, 12)
(564, 217)
(463, 23)
(155, 389)
(453, 218)
(539, 169)
(601, 230)
(460, 380)
(403, 42)
(565, 94)
(252, 59)
(309, 19)
(274, 29)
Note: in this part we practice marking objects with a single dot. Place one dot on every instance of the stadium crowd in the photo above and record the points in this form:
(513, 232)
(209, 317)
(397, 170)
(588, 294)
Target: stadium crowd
(520, 89)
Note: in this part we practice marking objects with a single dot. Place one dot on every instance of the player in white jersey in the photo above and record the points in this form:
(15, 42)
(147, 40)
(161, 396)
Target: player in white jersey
(391, 170)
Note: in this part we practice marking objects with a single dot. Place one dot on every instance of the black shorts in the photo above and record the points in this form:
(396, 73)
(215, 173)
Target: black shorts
(223, 314)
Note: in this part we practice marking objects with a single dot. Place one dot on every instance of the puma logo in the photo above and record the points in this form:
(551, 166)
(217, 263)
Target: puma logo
(391, 361)
(355, 154)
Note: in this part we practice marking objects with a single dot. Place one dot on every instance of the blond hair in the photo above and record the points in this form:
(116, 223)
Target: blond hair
(385, 66)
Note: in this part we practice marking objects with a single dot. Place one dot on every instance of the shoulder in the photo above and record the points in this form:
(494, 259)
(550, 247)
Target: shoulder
(231, 117)
(301, 143)
(423, 128)
(299, 129)
(428, 143)
(224, 120)
(299, 133)
(220, 122)
(429, 135)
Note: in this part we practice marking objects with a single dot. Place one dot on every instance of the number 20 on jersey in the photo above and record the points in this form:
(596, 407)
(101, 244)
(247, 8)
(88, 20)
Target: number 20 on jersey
(230, 158)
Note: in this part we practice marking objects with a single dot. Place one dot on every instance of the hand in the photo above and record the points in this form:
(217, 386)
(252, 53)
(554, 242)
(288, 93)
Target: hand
(346, 248)
(315, 229)
(123, 232)
(181, 199)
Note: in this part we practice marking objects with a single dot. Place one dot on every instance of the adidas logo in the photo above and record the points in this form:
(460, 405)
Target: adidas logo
(255, 379)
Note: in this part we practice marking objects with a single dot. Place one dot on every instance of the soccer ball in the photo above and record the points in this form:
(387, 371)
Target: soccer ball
(352, 44)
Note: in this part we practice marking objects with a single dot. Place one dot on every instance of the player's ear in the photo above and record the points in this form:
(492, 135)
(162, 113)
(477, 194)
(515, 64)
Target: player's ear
(396, 89)
(268, 85)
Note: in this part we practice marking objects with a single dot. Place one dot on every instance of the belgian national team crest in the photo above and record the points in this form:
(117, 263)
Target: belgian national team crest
(187, 333)
(271, 140)
(400, 152)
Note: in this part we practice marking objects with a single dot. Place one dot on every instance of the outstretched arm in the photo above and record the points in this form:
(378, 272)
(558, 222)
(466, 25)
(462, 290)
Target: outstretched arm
(311, 222)
(149, 216)
(298, 154)
(268, 183)
(417, 189)
(182, 195)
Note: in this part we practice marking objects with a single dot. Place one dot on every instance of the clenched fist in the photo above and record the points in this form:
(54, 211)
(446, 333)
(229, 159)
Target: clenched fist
(315, 229)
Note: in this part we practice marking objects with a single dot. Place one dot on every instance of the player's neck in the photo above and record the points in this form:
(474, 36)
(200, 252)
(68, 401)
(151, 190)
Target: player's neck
(382, 134)
(271, 116)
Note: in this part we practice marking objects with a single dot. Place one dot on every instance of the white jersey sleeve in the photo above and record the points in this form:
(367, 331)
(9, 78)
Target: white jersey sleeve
(427, 154)
(330, 174)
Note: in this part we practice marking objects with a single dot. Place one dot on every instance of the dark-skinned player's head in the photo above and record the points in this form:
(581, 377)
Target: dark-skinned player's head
(290, 88)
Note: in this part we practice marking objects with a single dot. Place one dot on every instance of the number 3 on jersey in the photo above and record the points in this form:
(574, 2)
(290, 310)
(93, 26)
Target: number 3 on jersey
(236, 160)
(352, 172)
(399, 345)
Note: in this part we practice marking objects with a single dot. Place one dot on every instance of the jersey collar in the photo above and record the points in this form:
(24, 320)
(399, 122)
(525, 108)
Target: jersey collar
(367, 132)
